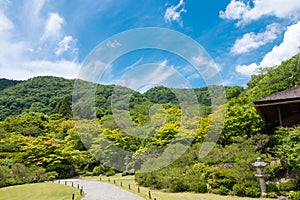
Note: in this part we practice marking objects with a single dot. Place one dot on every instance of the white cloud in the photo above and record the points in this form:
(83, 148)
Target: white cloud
(173, 13)
(5, 23)
(28, 56)
(235, 10)
(64, 45)
(247, 70)
(251, 41)
(61, 68)
(53, 26)
(288, 48)
(241, 11)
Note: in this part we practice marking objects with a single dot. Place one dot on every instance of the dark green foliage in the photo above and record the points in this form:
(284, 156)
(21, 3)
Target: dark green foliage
(289, 148)
(161, 95)
(233, 91)
(19, 174)
(252, 192)
(40, 94)
(64, 108)
(287, 186)
(5, 83)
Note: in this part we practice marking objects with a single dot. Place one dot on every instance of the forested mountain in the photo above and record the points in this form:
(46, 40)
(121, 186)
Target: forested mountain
(43, 94)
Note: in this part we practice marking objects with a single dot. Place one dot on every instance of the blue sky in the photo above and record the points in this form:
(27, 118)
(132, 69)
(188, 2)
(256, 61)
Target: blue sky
(44, 37)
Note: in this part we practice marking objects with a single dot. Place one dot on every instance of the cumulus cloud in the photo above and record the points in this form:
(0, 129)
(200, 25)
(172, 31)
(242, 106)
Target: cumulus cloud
(288, 48)
(173, 13)
(53, 26)
(251, 41)
(29, 55)
(65, 45)
(244, 13)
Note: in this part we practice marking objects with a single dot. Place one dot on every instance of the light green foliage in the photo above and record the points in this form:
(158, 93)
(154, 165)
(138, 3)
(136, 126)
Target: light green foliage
(289, 149)
(241, 120)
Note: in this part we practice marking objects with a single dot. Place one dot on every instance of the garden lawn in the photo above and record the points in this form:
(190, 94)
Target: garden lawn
(38, 191)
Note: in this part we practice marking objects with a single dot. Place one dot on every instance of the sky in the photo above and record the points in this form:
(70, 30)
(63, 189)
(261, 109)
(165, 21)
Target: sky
(47, 37)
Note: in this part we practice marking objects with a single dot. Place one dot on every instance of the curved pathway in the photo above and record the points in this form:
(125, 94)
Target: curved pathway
(96, 190)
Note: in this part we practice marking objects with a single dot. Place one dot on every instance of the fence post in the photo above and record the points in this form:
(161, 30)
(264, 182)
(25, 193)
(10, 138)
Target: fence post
(114, 181)
(129, 186)
(77, 186)
(139, 189)
(149, 194)
(73, 196)
(72, 184)
(121, 184)
(65, 182)
(81, 190)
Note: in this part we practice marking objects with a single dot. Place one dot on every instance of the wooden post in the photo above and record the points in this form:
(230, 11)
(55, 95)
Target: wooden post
(58, 181)
(279, 115)
(129, 186)
(81, 190)
(77, 186)
(149, 194)
(65, 182)
(114, 181)
(121, 184)
(139, 190)
(108, 179)
(100, 179)
(73, 196)
(72, 184)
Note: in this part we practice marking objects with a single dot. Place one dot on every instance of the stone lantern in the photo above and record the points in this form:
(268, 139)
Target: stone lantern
(127, 160)
(260, 165)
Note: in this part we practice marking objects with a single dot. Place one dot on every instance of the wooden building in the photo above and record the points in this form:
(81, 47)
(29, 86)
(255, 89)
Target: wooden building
(281, 108)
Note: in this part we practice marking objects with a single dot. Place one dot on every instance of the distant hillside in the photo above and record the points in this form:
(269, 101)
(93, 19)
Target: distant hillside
(39, 94)
(5, 83)
(46, 94)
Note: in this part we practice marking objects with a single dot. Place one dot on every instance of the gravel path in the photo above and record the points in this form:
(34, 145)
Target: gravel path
(96, 190)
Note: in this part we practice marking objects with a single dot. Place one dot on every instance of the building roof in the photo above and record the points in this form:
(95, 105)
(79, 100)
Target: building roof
(289, 94)
(281, 108)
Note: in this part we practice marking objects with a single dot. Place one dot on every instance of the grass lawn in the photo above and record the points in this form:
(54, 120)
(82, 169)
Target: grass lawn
(38, 191)
(160, 195)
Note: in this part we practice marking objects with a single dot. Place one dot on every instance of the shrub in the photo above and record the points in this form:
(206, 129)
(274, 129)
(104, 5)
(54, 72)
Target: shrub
(200, 187)
(98, 170)
(221, 191)
(110, 172)
(288, 186)
(272, 187)
(252, 192)
(295, 195)
(239, 190)
(178, 186)
(89, 173)
(272, 195)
